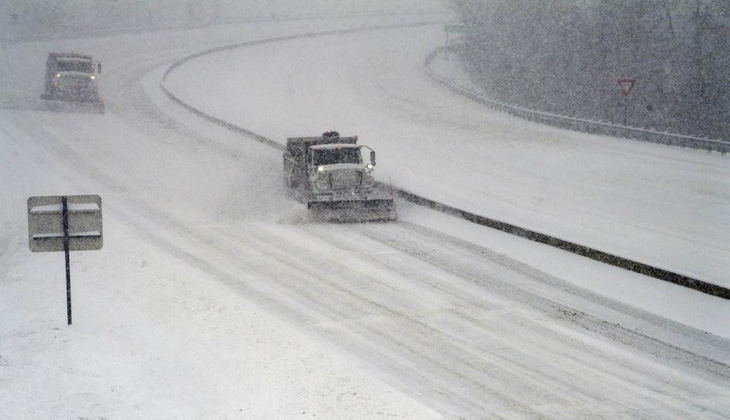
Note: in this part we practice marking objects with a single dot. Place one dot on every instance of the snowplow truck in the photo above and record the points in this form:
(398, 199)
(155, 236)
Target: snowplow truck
(329, 174)
(71, 77)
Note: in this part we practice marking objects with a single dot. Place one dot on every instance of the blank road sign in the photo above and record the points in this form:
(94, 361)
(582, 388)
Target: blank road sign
(45, 223)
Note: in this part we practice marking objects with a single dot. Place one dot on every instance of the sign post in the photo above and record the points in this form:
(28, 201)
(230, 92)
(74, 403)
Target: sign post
(627, 85)
(65, 223)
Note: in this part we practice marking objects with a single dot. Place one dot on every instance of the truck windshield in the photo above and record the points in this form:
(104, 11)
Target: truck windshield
(85, 66)
(332, 156)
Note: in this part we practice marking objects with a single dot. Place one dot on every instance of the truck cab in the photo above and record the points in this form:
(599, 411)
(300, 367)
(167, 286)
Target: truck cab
(72, 77)
(329, 173)
(338, 169)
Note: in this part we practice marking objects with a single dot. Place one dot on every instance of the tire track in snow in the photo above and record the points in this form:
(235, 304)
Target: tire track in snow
(279, 267)
(621, 335)
(454, 351)
(552, 296)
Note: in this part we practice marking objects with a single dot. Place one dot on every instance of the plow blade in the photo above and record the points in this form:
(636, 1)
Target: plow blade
(352, 211)
(63, 105)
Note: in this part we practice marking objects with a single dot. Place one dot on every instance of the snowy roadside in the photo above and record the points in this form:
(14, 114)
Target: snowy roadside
(154, 337)
(448, 67)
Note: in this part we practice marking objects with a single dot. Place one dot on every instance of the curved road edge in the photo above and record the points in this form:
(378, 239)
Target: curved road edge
(584, 251)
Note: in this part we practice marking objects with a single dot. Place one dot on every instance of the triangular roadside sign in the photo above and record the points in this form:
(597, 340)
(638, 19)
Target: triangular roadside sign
(627, 85)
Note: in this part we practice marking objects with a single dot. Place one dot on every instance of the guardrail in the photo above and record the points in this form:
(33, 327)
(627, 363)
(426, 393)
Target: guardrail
(582, 250)
(578, 124)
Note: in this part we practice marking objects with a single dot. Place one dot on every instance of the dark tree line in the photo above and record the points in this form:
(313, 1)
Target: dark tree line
(567, 56)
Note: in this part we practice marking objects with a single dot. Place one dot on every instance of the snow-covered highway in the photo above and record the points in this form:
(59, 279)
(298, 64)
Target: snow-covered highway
(662, 206)
(215, 297)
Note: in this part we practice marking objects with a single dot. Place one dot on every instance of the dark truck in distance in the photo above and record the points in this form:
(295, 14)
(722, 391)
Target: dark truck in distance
(329, 174)
(71, 77)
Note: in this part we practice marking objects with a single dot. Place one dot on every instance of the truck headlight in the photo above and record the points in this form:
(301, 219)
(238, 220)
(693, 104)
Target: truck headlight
(92, 77)
(58, 75)
(320, 168)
